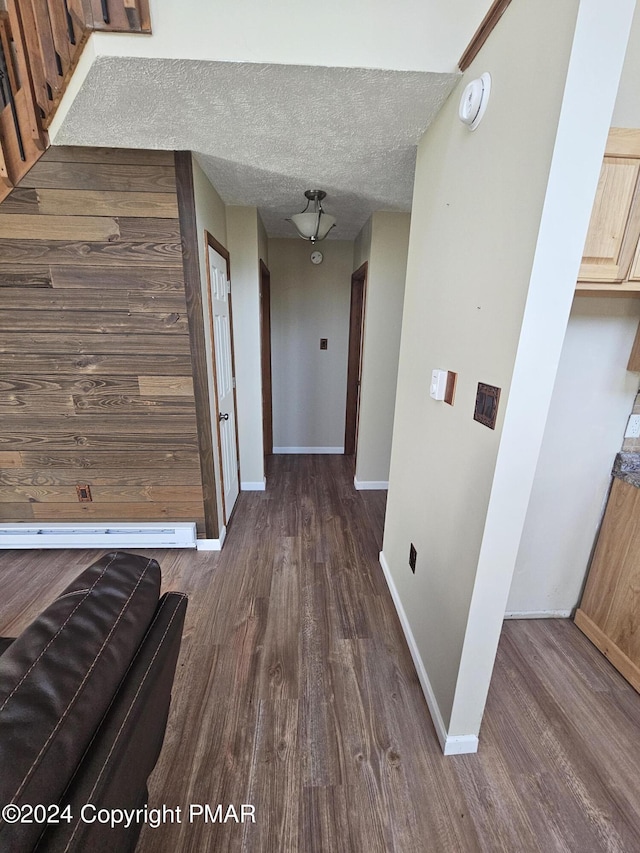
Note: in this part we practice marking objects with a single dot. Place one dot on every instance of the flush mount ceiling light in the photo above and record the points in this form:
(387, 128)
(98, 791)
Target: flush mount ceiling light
(474, 100)
(313, 224)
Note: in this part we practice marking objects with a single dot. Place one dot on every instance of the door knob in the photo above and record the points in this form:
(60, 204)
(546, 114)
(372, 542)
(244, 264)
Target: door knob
(224, 417)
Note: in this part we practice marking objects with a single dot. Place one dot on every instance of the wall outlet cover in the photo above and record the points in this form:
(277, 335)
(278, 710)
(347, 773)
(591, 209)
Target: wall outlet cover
(633, 427)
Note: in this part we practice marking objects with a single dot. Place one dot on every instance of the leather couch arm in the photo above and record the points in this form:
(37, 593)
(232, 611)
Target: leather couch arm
(115, 769)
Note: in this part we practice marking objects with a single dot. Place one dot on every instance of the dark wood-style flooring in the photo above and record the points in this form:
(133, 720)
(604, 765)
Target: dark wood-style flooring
(295, 692)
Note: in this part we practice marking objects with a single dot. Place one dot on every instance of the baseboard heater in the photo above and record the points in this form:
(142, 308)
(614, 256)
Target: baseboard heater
(122, 535)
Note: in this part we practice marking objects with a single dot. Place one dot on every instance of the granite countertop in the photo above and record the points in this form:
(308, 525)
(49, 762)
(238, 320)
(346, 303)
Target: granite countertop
(627, 468)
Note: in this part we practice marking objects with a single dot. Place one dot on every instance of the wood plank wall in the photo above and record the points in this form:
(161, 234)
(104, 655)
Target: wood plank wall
(96, 380)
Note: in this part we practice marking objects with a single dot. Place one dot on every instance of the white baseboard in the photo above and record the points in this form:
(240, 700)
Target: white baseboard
(212, 544)
(538, 614)
(308, 449)
(451, 744)
(370, 484)
(258, 486)
(99, 534)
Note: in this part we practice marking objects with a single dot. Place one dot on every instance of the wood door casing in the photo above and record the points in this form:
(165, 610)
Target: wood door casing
(265, 358)
(354, 365)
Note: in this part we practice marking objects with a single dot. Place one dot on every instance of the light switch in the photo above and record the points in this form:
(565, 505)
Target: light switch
(438, 384)
(324, 343)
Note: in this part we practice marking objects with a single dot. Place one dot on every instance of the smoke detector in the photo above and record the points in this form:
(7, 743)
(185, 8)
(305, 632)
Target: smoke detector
(473, 102)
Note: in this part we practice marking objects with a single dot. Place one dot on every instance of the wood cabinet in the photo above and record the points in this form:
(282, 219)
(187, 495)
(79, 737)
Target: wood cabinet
(609, 613)
(611, 259)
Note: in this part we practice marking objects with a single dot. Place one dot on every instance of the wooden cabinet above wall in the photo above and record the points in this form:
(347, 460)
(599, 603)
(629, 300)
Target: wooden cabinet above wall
(611, 260)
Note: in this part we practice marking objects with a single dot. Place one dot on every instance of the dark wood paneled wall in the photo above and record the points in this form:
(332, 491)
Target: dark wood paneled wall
(96, 379)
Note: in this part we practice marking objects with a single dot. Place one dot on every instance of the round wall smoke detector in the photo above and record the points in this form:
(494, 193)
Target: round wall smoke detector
(474, 100)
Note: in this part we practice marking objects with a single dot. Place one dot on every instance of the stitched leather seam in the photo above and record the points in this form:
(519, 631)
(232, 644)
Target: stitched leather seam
(74, 592)
(82, 683)
(128, 714)
(58, 632)
(159, 612)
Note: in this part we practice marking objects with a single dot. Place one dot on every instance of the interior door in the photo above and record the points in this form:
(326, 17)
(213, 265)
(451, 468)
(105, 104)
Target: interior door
(220, 302)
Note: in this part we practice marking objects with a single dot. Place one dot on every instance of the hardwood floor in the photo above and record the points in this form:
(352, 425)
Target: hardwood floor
(296, 693)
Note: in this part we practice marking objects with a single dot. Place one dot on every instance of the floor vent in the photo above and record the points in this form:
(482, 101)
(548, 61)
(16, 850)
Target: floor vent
(123, 535)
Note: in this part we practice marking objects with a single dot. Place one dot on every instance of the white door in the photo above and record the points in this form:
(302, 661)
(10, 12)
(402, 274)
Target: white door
(220, 296)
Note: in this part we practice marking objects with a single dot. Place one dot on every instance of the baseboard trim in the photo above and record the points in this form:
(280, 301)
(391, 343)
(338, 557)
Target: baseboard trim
(450, 744)
(212, 544)
(370, 484)
(538, 614)
(99, 534)
(254, 487)
(308, 449)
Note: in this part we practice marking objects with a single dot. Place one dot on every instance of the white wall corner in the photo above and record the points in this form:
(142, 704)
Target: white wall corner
(370, 484)
(260, 486)
(212, 544)
(595, 64)
(458, 744)
(80, 74)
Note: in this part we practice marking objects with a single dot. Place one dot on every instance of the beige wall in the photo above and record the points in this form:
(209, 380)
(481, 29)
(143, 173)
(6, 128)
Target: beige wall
(627, 108)
(386, 238)
(498, 224)
(362, 245)
(244, 239)
(591, 401)
(210, 216)
(263, 242)
(309, 302)
(417, 35)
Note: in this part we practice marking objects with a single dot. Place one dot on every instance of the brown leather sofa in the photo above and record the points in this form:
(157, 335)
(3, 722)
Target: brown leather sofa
(84, 699)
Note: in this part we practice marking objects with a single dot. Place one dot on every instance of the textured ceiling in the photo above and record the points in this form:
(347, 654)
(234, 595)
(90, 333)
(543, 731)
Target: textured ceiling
(265, 133)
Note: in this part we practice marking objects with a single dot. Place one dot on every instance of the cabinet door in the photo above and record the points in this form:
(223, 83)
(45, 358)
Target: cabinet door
(612, 235)
(609, 613)
(634, 275)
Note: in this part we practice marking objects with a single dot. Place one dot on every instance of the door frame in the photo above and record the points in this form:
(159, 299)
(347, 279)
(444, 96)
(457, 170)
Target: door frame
(265, 359)
(210, 241)
(354, 359)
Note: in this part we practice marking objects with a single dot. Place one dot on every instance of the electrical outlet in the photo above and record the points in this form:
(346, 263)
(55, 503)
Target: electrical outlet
(633, 427)
(83, 490)
(413, 556)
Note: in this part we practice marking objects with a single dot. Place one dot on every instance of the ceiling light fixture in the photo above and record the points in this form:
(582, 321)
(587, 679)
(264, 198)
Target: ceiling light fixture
(313, 224)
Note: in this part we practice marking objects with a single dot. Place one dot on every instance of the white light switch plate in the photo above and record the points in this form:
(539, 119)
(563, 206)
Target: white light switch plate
(633, 427)
(438, 384)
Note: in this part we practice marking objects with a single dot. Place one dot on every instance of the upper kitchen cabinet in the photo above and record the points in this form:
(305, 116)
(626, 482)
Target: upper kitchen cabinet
(611, 260)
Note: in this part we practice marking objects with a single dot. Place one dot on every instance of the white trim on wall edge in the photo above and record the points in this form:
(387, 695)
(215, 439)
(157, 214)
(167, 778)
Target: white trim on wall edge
(212, 544)
(308, 449)
(451, 744)
(99, 534)
(538, 614)
(254, 487)
(370, 484)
